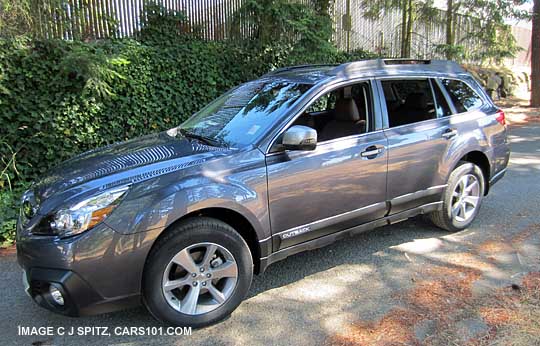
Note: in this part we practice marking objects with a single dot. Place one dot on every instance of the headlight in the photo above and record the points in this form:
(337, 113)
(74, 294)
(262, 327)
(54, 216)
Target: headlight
(86, 214)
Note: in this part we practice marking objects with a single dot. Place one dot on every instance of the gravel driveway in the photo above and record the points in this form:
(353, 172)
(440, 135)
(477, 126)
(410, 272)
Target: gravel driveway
(323, 296)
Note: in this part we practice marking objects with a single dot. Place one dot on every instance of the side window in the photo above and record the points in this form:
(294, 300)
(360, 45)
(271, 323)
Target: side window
(324, 103)
(441, 106)
(408, 101)
(340, 113)
(463, 97)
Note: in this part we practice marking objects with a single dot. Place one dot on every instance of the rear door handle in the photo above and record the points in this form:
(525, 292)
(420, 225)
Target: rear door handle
(449, 133)
(372, 151)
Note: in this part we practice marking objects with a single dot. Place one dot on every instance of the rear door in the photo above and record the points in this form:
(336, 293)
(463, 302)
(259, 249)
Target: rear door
(418, 139)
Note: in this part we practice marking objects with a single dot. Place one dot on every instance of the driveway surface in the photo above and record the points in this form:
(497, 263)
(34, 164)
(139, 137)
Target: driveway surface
(365, 283)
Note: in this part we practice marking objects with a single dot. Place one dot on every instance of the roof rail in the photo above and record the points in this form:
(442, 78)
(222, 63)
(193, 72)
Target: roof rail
(289, 68)
(411, 64)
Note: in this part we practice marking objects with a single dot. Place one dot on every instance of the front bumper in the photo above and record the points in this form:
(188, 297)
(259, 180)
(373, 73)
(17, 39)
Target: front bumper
(96, 272)
(79, 297)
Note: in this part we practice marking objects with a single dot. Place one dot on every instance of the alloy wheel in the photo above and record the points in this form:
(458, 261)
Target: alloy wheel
(200, 278)
(465, 198)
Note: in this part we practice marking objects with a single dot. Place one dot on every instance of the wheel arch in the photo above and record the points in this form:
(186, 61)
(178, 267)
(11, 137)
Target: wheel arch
(481, 160)
(231, 217)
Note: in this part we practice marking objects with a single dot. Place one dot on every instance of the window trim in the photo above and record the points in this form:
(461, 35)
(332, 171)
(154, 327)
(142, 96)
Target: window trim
(445, 97)
(327, 89)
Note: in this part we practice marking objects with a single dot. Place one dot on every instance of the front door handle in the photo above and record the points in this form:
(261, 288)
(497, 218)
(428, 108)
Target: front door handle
(371, 152)
(449, 133)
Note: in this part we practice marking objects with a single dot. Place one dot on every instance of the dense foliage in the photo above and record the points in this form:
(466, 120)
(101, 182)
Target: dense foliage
(59, 98)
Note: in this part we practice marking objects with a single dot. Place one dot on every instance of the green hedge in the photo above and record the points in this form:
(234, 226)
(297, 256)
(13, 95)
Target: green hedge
(58, 98)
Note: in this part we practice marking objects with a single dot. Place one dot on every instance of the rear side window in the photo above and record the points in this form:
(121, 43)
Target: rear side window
(408, 101)
(463, 97)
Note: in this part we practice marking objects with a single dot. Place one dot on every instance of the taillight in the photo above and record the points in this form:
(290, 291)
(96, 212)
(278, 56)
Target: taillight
(500, 117)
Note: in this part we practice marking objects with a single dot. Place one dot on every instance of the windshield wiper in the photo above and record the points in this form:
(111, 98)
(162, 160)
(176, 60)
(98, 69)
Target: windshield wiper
(207, 140)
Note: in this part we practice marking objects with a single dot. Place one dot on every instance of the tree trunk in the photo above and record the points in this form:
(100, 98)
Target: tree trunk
(404, 14)
(535, 56)
(408, 42)
(449, 28)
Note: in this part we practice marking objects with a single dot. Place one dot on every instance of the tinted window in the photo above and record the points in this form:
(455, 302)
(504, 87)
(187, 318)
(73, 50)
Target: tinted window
(442, 108)
(245, 113)
(408, 101)
(324, 103)
(340, 113)
(463, 97)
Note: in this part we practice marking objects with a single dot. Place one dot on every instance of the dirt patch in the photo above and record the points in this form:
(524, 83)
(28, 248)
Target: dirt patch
(495, 247)
(497, 316)
(8, 251)
(531, 282)
(518, 112)
(521, 115)
(525, 234)
(395, 328)
(448, 289)
(515, 318)
(441, 310)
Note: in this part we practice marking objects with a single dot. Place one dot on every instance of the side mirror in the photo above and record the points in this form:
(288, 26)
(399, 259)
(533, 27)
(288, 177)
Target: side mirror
(299, 137)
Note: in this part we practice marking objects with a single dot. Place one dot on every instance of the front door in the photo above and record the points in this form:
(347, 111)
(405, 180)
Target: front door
(340, 184)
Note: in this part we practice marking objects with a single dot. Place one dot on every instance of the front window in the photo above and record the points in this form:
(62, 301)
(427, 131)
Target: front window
(339, 113)
(242, 115)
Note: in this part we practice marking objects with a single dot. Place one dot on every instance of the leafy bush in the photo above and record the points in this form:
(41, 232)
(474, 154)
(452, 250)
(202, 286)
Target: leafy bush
(60, 98)
(9, 206)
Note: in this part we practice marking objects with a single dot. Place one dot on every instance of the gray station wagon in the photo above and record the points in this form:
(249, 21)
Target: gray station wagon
(181, 220)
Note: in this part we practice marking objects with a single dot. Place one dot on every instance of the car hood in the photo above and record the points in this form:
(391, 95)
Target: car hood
(147, 151)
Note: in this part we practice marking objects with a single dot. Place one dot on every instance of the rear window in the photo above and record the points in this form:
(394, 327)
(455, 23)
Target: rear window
(463, 97)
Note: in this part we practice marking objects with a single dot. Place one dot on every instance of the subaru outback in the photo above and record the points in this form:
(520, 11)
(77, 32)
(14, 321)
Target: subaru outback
(179, 221)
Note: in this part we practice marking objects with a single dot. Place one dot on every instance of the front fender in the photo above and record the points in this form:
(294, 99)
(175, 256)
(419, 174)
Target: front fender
(159, 203)
(247, 202)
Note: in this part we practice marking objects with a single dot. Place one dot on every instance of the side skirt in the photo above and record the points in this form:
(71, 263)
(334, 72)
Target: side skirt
(331, 238)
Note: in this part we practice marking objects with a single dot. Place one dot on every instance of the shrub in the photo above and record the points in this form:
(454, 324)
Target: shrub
(60, 98)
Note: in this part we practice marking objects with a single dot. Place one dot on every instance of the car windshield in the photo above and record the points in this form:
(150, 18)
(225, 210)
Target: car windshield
(242, 115)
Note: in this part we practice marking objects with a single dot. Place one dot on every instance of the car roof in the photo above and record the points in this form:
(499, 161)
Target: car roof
(367, 68)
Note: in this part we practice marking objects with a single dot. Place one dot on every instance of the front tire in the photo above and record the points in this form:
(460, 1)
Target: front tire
(461, 199)
(197, 273)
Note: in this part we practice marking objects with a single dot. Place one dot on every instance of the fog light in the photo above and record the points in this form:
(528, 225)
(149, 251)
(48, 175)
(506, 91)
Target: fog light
(56, 295)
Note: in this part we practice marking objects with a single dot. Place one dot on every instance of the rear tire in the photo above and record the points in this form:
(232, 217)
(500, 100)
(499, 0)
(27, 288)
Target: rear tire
(197, 273)
(462, 198)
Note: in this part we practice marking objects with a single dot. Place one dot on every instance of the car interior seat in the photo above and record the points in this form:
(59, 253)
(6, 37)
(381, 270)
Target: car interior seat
(347, 119)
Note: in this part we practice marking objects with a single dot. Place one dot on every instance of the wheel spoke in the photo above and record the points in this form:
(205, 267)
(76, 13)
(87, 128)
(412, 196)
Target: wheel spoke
(471, 186)
(455, 209)
(463, 210)
(471, 200)
(189, 303)
(172, 284)
(210, 251)
(226, 270)
(461, 184)
(217, 294)
(184, 259)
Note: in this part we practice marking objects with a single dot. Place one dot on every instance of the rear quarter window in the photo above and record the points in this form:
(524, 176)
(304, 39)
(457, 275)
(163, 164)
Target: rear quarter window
(463, 97)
